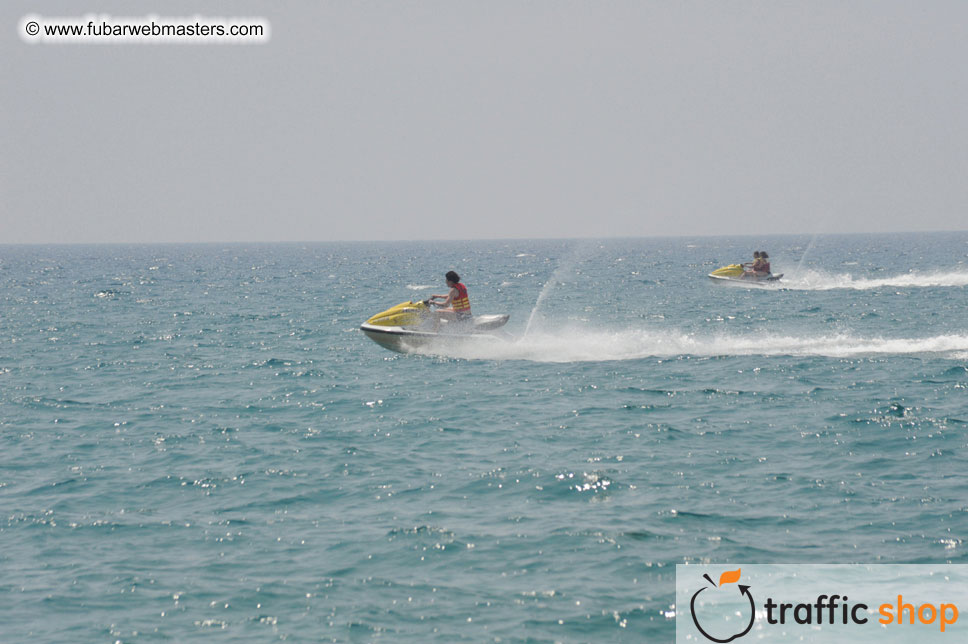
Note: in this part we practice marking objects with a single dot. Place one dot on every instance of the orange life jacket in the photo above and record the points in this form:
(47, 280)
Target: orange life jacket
(461, 304)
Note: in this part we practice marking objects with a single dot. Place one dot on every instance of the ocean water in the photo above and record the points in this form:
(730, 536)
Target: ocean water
(200, 445)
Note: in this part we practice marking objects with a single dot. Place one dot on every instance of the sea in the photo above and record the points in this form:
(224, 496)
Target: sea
(199, 444)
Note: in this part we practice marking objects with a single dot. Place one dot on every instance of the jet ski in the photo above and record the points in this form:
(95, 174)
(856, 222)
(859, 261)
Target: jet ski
(410, 325)
(738, 273)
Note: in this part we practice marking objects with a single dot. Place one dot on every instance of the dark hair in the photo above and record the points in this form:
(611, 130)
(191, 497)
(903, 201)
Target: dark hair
(452, 277)
(764, 255)
(756, 253)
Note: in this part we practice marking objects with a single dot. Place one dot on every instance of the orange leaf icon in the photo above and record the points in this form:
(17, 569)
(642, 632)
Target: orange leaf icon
(729, 577)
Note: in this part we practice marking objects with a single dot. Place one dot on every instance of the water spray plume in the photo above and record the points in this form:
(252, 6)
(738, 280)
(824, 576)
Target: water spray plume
(566, 265)
(807, 252)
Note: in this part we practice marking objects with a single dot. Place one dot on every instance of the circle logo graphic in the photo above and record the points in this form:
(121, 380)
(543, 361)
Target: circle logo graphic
(728, 577)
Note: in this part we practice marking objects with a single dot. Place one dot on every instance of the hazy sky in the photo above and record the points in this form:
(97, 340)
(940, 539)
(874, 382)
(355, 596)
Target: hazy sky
(490, 119)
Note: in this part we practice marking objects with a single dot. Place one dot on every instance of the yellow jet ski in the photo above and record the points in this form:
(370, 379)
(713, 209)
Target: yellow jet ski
(739, 273)
(410, 325)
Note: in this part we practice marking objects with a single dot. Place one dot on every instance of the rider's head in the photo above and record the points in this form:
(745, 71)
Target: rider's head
(756, 254)
(452, 277)
(764, 255)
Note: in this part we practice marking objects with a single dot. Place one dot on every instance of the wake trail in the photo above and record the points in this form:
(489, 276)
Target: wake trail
(813, 280)
(583, 345)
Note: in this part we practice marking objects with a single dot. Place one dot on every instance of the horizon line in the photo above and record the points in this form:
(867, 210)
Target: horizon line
(480, 239)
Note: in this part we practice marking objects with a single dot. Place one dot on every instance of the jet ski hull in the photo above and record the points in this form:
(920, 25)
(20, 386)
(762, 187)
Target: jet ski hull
(746, 280)
(397, 338)
(738, 273)
(405, 339)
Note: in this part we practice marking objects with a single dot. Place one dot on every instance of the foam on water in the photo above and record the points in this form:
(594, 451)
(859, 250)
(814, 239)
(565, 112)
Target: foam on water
(815, 280)
(589, 345)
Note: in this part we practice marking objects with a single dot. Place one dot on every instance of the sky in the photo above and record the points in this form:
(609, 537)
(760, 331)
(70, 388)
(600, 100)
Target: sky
(458, 119)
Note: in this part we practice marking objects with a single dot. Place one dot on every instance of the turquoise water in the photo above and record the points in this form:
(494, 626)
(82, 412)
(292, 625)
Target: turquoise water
(199, 443)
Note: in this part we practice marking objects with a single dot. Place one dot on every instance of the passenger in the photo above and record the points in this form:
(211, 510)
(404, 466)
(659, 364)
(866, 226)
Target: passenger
(764, 269)
(455, 305)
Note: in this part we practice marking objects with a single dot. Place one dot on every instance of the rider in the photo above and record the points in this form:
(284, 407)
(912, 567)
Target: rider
(749, 269)
(455, 305)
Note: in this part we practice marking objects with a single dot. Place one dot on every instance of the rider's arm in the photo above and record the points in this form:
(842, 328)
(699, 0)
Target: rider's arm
(448, 299)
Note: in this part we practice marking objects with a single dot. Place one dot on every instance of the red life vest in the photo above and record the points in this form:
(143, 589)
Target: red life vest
(461, 304)
(765, 267)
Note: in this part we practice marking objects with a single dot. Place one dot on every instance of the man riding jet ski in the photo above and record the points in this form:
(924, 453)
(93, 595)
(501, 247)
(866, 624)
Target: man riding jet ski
(455, 305)
(414, 325)
(756, 271)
